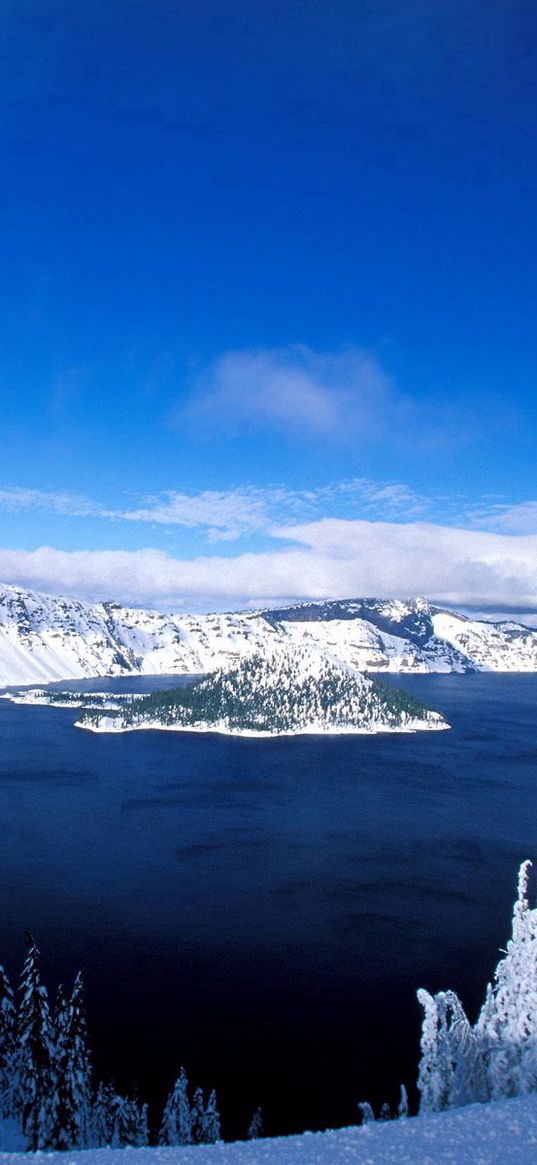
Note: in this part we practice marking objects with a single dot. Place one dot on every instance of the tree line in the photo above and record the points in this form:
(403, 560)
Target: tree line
(46, 1086)
(47, 1090)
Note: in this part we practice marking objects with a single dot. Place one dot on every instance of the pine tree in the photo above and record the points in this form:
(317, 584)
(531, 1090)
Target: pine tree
(102, 1117)
(507, 1024)
(72, 1073)
(60, 1021)
(130, 1123)
(33, 1098)
(366, 1112)
(198, 1117)
(142, 1127)
(176, 1127)
(255, 1128)
(8, 1019)
(212, 1120)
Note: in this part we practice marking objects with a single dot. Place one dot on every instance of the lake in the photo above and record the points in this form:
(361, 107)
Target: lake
(263, 911)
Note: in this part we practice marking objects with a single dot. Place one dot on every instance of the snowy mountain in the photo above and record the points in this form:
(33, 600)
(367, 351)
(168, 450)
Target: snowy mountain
(45, 638)
(290, 691)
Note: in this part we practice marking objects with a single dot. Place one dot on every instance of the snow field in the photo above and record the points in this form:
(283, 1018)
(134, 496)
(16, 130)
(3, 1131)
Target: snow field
(497, 1133)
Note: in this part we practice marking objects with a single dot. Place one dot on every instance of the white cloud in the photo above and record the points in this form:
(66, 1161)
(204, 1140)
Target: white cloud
(508, 519)
(224, 515)
(55, 502)
(343, 395)
(330, 558)
(295, 388)
(228, 514)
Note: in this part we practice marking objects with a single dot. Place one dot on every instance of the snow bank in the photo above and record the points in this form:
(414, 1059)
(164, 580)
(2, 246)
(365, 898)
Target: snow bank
(498, 1133)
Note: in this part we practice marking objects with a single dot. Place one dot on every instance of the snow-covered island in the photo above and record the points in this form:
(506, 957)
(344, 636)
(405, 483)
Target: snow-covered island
(287, 693)
(64, 699)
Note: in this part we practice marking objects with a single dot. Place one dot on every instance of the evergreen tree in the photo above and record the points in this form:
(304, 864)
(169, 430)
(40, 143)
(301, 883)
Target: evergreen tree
(176, 1127)
(507, 1025)
(198, 1117)
(130, 1123)
(8, 1019)
(72, 1073)
(34, 1091)
(59, 1026)
(452, 1070)
(142, 1127)
(366, 1112)
(205, 1121)
(212, 1121)
(255, 1128)
(434, 1067)
(102, 1116)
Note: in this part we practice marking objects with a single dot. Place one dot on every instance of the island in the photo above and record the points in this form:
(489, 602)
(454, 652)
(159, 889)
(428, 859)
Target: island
(285, 693)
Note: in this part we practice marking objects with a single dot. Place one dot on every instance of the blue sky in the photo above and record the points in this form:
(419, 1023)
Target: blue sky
(269, 297)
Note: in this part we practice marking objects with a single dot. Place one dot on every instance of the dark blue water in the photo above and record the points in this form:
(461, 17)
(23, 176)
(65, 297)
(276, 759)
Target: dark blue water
(262, 911)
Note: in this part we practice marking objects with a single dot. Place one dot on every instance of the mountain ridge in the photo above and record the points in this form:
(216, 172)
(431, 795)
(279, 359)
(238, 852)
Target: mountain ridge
(44, 638)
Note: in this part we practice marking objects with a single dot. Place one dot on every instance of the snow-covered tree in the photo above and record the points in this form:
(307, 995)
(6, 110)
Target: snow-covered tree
(72, 1073)
(435, 1064)
(35, 1058)
(117, 1121)
(130, 1123)
(176, 1127)
(255, 1128)
(366, 1112)
(198, 1117)
(59, 1026)
(212, 1120)
(452, 1070)
(142, 1127)
(102, 1116)
(507, 1025)
(403, 1105)
(8, 1019)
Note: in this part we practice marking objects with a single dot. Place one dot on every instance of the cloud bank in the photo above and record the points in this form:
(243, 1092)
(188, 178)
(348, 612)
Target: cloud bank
(328, 558)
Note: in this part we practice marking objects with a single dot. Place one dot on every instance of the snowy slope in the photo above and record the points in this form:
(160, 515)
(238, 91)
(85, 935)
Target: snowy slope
(499, 1133)
(45, 638)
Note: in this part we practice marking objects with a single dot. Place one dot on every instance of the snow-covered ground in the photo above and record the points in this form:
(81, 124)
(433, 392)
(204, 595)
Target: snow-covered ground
(499, 1133)
(49, 637)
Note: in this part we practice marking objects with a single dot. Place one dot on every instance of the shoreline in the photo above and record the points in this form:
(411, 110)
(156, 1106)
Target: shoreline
(311, 730)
